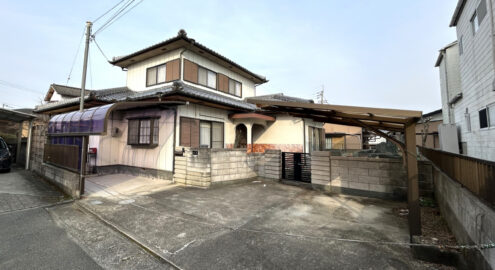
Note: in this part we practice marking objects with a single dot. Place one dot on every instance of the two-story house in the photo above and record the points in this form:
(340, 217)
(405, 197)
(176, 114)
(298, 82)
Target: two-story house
(178, 94)
(468, 90)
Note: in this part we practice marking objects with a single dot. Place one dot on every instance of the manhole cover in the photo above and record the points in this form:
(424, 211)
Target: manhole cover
(128, 201)
(95, 202)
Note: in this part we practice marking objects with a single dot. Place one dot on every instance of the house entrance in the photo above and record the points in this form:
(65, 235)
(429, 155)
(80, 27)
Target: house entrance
(296, 166)
(240, 136)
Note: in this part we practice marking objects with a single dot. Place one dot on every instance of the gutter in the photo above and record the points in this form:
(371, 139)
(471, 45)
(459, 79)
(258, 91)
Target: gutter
(490, 5)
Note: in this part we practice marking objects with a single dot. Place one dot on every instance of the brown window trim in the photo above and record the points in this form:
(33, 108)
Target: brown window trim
(152, 125)
(156, 79)
(199, 132)
(197, 83)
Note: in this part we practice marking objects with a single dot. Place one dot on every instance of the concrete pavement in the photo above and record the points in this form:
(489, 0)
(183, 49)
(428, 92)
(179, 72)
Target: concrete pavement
(258, 224)
(35, 235)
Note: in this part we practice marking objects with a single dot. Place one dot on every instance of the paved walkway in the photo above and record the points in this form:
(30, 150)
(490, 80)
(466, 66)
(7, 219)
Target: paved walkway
(258, 224)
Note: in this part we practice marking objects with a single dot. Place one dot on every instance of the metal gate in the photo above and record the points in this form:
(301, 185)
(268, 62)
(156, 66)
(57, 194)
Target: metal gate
(296, 166)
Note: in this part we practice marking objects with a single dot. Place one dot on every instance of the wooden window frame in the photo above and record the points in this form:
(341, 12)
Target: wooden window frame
(199, 132)
(156, 76)
(152, 131)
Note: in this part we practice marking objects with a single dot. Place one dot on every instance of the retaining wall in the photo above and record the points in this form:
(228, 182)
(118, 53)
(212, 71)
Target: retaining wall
(469, 219)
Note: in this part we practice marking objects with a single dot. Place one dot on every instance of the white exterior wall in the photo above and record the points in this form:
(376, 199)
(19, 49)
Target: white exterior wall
(450, 81)
(248, 87)
(115, 151)
(136, 73)
(477, 75)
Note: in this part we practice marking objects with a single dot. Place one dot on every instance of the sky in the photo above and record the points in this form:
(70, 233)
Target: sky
(374, 53)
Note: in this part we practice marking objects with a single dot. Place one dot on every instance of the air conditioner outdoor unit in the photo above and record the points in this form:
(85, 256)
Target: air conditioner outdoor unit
(115, 132)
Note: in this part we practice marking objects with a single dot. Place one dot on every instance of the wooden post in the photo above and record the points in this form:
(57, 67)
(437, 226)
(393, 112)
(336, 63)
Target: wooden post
(412, 181)
(19, 143)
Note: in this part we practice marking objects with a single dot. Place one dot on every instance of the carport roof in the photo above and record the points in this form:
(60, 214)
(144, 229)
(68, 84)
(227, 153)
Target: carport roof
(372, 118)
(14, 116)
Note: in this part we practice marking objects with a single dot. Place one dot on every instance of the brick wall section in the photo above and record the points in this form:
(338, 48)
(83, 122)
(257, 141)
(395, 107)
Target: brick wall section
(383, 177)
(210, 166)
(38, 140)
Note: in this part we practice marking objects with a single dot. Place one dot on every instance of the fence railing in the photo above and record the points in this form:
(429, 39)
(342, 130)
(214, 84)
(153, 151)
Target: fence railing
(477, 175)
(63, 155)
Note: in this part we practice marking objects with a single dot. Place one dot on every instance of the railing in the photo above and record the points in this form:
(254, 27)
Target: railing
(477, 175)
(63, 155)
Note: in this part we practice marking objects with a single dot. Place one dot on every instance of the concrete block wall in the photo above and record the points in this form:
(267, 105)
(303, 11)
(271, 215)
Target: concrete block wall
(469, 219)
(374, 177)
(203, 167)
(66, 180)
(320, 168)
(273, 164)
(37, 147)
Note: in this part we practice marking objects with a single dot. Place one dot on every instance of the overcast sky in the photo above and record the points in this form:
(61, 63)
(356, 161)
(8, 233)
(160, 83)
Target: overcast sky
(365, 53)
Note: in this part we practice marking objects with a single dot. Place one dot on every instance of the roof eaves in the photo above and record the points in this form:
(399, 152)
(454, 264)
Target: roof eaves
(457, 12)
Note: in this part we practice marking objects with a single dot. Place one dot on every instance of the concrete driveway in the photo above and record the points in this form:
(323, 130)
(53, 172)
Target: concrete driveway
(257, 225)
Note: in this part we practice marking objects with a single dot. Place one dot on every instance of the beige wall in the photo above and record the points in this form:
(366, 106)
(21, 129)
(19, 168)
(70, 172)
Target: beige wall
(114, 150)
(432, 140)
(136, 74)
(248, 87)
(285, 130)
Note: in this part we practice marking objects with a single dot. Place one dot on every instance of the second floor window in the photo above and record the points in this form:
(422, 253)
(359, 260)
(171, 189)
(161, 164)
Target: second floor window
(478, 16)
(156, 75)
(235, 88)
(207, 77)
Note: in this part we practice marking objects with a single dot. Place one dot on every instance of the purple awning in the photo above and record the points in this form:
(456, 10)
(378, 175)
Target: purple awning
(89, 121)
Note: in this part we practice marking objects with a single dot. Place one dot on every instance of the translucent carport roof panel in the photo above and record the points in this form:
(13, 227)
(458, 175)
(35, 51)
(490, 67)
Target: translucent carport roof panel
(89, 121)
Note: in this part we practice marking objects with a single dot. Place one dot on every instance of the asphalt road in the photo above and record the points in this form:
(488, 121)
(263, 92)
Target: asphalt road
(30, 239)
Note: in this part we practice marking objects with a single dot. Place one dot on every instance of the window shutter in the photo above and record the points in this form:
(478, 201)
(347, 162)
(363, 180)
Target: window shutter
(217, 135)
(190, 71)
(173, 70)
(223, 83)
(481, 11)
(185, 132)
(194, 133)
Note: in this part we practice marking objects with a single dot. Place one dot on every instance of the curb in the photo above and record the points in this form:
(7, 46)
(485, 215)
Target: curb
(127, 235)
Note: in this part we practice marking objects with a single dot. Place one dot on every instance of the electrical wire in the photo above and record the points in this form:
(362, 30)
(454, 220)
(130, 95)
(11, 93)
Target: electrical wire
(17, 86)
(99, 48)
(117, 13)
(120, 16)
(106, 12)
(75, 56)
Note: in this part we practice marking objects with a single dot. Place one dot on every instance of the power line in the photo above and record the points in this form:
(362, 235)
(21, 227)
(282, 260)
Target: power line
(17, 86)
(106, 12)
(117, 13)
(75, 56)
(106, 25)
(99, 48)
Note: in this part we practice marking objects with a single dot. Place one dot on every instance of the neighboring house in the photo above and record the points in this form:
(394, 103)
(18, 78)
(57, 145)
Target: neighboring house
(179, 94)
(58, 92)
(427, 129)
(343, 137)
(472, 106)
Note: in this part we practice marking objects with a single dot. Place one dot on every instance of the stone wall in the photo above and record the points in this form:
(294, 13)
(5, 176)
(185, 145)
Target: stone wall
(204, 167)
(372, 177)
(471, 221)
(38, 141)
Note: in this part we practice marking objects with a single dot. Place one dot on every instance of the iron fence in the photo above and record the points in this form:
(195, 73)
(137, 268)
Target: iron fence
(477, 175)
(63, 155)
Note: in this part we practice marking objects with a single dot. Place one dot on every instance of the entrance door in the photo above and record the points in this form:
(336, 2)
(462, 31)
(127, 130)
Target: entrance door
(296, 166)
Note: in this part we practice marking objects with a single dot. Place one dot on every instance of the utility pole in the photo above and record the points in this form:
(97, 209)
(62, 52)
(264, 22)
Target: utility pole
(321, 95)
(85, 65)
(84, 145)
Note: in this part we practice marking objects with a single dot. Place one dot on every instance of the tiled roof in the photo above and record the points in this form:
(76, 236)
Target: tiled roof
(68, 90)
(282, 97)
(124, 94)
(182, 35)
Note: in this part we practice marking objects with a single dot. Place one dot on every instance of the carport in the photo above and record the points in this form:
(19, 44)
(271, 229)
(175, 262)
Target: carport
(376, 120)
(19, 117)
